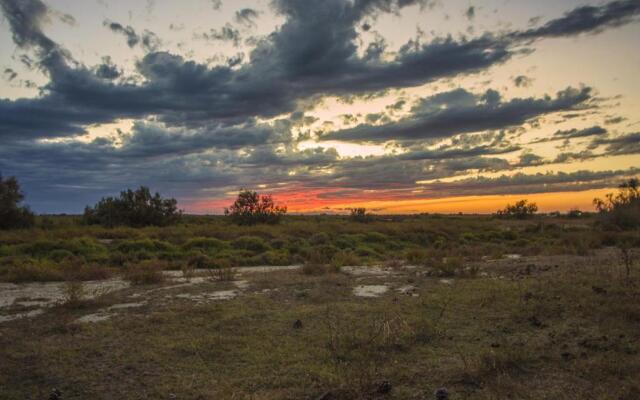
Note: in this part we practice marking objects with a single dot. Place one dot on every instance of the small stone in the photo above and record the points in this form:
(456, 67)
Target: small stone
(385, 387)
(297, 324)
(442, 394)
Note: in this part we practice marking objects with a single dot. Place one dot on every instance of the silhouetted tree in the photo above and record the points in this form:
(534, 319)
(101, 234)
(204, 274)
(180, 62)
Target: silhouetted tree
(359, 214)
(521, 210)
(622, 209)
(133, 208)
(12, 215)
(250, 208)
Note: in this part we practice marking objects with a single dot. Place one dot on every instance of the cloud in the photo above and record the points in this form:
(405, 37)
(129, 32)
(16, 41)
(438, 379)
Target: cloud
(521, 183)
(246, 16)
(470, 13)
(459, 111)
(618, 145)
(225, 34)
(10, 74)
(311, 54)
(197, 132)
(574, 134)
(129, 33)
(586, 19)
(148, 40)
(522, 81)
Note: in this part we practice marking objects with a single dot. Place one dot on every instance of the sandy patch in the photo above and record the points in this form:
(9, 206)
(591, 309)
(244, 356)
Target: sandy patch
(370, 290)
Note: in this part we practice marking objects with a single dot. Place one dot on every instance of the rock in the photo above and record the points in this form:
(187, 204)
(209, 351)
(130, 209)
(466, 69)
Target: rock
(55, 394)
(297, 324)
(385, 387)
(442, 394)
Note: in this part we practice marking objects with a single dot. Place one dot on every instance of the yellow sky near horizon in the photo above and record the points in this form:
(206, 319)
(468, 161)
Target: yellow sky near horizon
(488, 204)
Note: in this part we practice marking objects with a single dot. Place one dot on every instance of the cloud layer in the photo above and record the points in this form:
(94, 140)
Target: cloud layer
(200, 129)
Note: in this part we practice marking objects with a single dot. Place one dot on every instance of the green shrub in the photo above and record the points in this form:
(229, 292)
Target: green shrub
(416, 256)
(133, 208)
(22, 269)
(251, 243)
(144, 245)
(204, 243)
(12, 215)
(58, 255)
(319, 239)
(345, 258)
(199, 261)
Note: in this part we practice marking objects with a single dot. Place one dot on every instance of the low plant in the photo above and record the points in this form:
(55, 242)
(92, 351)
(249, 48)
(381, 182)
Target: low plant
(146, 272)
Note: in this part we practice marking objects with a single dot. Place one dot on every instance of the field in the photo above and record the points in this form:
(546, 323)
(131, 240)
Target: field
(395, 308)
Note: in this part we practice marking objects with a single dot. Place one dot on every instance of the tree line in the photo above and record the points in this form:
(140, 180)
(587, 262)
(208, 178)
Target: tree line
(139, 208)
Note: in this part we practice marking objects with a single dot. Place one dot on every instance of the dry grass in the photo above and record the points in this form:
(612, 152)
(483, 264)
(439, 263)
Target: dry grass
(146, 272)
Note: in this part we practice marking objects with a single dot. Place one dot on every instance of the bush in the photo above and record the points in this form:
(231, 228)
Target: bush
(521, 210)
(251, 243)
(148, 245)
(250, 208)
(205, 244)
(12, 215)
(135, 209)
(359, 214)
(146, 272)
(621, 210)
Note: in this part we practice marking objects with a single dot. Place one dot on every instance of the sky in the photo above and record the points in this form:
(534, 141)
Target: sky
(399, 106)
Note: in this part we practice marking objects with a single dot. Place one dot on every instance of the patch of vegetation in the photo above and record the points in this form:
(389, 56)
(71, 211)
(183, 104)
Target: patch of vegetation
(133, 208)
(146, 272)
(12, 215)
(522, 209)
(621, 210)
(251, 208)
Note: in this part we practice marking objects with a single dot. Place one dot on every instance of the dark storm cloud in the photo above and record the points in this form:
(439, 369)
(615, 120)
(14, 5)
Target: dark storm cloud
(586, 19)
(108, 70)
(521, 183)
(574, 134)
(447, 153)
(580, 133)
(459, 111)
(618, 145)
(312, 53)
